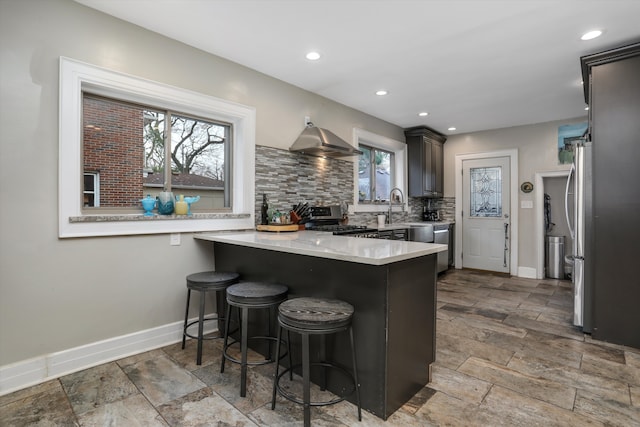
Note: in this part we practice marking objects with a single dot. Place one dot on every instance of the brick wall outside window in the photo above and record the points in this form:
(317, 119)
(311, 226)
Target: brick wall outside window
(113, 146)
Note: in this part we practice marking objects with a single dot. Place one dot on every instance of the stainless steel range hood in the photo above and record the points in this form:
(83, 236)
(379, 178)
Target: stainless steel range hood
(320, 142)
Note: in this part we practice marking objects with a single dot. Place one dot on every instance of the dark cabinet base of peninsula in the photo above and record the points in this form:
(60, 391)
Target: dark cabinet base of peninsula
(394, 320)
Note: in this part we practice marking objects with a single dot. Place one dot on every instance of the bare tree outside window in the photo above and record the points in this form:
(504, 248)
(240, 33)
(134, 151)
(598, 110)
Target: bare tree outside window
(153, 136)
(197, 147)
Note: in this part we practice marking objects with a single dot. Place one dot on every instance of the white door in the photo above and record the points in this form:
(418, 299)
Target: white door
(485, 214)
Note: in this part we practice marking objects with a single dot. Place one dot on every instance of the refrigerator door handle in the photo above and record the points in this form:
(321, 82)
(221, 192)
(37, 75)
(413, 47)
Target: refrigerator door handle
(578, 291)
(579, 194)
(566, 199)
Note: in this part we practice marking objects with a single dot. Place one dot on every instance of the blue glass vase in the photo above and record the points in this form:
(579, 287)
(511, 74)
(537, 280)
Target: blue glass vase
(165, 203)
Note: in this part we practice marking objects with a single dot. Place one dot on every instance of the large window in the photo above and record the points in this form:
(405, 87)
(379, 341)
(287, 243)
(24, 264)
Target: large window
(145, 137)
(132, 144)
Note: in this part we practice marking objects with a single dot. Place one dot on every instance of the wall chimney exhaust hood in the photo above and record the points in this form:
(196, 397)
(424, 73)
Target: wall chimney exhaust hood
(320, 142)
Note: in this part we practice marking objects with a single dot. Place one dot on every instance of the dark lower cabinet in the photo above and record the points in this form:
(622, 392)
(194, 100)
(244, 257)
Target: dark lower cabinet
(613, 94)
(425, 162)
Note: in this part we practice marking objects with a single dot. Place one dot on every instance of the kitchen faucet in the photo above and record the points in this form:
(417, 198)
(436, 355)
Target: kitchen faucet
(391, 199)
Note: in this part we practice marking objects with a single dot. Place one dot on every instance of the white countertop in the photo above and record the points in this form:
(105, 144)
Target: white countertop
(326, 245)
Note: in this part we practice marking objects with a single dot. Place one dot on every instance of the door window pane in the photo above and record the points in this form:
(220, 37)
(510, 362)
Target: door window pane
(486, 192)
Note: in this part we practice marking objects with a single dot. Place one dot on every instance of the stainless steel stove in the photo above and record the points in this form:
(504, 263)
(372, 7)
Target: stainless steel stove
(327, 218)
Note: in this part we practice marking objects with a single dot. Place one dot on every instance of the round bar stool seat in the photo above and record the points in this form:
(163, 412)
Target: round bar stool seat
(203, 282)
(247, 296)
(315, 316)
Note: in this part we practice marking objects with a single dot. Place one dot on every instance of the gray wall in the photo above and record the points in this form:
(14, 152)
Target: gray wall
(537, 152)
(59, 294)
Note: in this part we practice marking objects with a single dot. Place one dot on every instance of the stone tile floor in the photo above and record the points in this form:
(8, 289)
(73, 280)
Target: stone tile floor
(507, 355)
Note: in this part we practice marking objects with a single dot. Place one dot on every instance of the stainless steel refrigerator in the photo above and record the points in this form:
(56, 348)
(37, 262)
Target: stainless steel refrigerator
(608, 251)
(578, 209)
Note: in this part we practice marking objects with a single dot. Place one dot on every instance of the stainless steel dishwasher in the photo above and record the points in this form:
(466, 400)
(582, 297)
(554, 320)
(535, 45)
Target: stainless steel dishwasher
(441, 235)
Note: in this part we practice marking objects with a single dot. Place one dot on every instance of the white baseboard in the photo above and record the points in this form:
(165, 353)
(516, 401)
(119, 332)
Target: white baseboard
(527, 272)
(43, 368)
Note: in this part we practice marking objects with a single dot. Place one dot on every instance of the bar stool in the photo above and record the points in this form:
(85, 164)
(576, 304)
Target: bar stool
(246, 296)
(315, 316)
(206, 281)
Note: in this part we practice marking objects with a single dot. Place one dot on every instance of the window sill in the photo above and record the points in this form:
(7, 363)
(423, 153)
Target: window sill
(138, 224)
(154, 217)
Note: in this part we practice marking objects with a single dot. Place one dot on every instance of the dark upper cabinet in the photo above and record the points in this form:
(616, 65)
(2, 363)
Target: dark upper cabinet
(426, 158)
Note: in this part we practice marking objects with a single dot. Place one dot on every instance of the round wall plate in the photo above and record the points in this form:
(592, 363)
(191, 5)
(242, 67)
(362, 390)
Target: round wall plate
(526, 187)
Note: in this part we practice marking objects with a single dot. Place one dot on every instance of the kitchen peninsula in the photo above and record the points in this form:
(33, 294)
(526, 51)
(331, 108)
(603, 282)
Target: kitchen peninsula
(391, 285)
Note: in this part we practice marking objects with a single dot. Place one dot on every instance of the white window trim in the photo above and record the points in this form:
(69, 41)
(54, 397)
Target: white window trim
(77, 76)
(399, 149)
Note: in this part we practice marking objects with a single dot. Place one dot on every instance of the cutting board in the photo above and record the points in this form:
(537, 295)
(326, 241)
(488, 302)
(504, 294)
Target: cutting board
(277, 227)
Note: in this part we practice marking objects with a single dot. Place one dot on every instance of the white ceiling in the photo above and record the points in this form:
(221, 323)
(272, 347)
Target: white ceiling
(475, 65)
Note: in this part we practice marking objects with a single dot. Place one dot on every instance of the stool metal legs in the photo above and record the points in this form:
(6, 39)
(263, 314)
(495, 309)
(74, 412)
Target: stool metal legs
(243, 344)
(243, 321)
(226, 338)
(200, 324)
(355, 372)
(306, 380)
(200, 328)
(306, 375)
(186, 318)
(201, 319)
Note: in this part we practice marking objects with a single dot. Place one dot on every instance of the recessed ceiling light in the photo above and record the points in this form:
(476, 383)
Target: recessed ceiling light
(591, 35)
(451, 128)
(381, 92)
(423, 114)
(313, 56)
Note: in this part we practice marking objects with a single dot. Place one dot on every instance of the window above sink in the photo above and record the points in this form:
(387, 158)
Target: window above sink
(392, 156)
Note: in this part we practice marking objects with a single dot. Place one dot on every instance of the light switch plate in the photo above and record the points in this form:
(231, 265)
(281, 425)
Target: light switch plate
(174, 239)
(526, 204)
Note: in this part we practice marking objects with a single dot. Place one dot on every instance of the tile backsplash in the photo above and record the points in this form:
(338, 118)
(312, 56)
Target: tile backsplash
(288, 178)
(446, 206)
